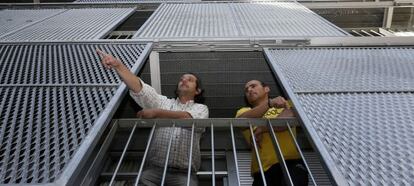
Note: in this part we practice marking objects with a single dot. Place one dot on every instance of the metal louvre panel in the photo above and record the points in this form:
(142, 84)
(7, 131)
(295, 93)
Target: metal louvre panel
(189, 20)
(54, 96)
(59, 64)
(11, 20)
(42, 127)
(282, 19)
(244, 160)
(74, 24)
(235, 20)
(356, 104)
(346, 69)
(370, 136)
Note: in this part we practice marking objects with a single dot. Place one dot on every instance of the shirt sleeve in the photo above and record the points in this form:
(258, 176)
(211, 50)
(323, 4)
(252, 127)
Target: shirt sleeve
(199, 111)
(148, 98)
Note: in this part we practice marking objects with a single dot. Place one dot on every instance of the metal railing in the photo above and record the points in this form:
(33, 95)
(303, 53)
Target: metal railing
(232, 174)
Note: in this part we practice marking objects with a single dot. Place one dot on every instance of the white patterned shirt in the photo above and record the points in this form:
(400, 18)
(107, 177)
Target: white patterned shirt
(148, 98)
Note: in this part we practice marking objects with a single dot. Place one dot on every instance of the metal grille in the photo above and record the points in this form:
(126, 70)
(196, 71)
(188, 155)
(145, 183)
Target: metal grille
(346, 69)
(12, 20)
(59, 64)
(74, 24)
(370, 136)
(42, 127)
(356, 103)
(51, 101)
(235, 20)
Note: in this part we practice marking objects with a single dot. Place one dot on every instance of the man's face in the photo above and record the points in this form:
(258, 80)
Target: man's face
(187, 84)
(254, 91)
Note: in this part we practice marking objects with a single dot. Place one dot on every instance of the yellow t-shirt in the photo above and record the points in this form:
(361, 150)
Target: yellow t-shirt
(267, 152)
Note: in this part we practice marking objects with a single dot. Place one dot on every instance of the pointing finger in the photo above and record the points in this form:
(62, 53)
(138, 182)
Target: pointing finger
(101, 54)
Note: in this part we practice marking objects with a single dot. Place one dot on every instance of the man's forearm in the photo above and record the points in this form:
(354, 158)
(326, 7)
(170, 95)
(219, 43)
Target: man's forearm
(133, 82)
(167, 114)
(256, 112)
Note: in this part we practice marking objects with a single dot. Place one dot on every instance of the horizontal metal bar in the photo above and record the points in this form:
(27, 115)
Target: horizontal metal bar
(247, 44)
(141, 6)
(211, 173)
(353, 91)
(218, 122)
(338, 4)
(257, 44)
(89, 41)
(243, 41)
(220, 154)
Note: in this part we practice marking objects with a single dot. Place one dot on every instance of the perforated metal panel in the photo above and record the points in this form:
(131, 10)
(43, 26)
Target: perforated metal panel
(73, 24)
(12, 20)
(369, 136)
(30, 64)
(357, 105)
(52, 97)
(346, 69)
(235, 20)
(42, 127)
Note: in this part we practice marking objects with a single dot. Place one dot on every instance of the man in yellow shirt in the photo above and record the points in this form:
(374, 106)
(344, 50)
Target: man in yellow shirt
(260, 105)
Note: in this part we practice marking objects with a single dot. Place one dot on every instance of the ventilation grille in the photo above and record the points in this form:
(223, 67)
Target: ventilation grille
(235, 20)
(51, 97)
(12, 20)
(356, 104)
(346, 69)
(73, 24)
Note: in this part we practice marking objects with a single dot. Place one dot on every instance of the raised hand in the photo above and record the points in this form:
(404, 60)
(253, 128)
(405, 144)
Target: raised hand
(108, 61)
(278, 102)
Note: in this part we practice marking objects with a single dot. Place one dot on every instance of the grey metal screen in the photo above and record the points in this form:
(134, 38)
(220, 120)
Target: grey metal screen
(357, 105)
(235, 20)
(53, 96)
(73, 24)
(12, 20)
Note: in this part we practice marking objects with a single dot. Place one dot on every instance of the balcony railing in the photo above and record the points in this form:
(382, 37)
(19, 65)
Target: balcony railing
(229, 174)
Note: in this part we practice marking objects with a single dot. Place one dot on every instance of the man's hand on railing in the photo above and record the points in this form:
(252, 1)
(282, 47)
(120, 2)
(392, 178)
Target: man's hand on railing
(147, 113)
(162, 114)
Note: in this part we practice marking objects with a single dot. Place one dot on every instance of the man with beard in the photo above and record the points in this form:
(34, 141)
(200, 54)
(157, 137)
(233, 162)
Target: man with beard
(187, 104)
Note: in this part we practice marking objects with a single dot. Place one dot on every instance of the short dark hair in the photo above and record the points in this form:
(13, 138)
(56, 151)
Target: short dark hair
(245, 98)
(199, 98)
